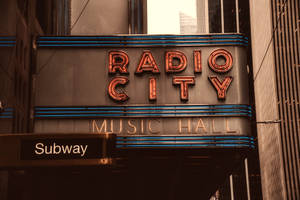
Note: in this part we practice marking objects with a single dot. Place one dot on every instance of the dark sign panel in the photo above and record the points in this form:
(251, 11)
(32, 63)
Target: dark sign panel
(28, 150)
(34, 149)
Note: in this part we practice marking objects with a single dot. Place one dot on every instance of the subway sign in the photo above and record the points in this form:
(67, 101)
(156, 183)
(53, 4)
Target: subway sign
(143, 85)
(50, 149)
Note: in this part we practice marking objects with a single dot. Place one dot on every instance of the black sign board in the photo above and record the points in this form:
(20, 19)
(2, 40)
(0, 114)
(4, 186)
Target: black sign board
(34, 150)
(74, 148)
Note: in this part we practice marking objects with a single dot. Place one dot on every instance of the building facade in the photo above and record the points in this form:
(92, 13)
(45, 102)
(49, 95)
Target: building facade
(53, 51)
(275, 49)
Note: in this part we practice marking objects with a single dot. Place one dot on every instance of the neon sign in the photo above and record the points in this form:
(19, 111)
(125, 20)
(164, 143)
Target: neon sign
(175, 62)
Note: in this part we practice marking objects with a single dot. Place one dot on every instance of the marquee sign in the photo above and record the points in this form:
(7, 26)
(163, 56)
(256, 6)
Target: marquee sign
(143, 85)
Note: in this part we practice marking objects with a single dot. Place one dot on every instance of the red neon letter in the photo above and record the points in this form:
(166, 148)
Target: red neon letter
(118, 60)
(221, 87)
(171, 56)
(197, 62)
(213, 58)
(152, 88)
(184, 81)
(121, 80)
(147, 63)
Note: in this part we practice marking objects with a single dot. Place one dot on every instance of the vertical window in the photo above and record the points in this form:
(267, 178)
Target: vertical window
(215, 25)
(229, 16)
(244, 22)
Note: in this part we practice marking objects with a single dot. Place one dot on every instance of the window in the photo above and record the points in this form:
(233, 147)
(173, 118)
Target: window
(172, 16)
(215, 25)
(196, 16)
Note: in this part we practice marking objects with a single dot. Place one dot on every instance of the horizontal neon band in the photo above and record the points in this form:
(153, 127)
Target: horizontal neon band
(184, 141)
(6, 113)
(141, 36)
(141, 40)
(186, 145)
(7, 45)
(138, 111)
(140, 44)
(138, 107)
(7, 41)
(184, 137)
(156, 111)
(147, 114)
(136, 41)
(7, 37)
(6, 117)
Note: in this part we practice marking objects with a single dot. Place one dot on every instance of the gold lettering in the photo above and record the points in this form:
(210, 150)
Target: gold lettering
(150, 129)
(103, 126)
(228, 129)
(142, 126)
(200, 125)
(132, 126)
(111, 126)
(213, 127)
(121, 126)
(188, 126)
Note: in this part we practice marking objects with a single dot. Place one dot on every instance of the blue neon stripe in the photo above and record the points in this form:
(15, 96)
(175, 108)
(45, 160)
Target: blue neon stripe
(7, 42)
(184, 137)
(186, 145)
(177, 110)
(137, 107)
(137, 111)
(140, 114)
(140, 36)
(79, 115)
(7, 45)
(137, 41)
(140, 44)
(175, 114)
(7, 37)
(184, 141)
(83, 112)
(6, 113)
(146, 114)
(6, 117)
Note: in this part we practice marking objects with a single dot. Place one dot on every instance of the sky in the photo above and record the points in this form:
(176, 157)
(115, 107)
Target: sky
(163, 16)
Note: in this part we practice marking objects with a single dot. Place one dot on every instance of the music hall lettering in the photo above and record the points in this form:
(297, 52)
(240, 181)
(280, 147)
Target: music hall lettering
(153, 126)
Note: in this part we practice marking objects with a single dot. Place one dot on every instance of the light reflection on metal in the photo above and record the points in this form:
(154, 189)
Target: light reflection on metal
(105, 161)
(197, 61)
(221, 87)
(147, 63)
(172, 56)
(118, 61)
(184, 81)
(152, 88)
(212, 61)
(121, 80)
